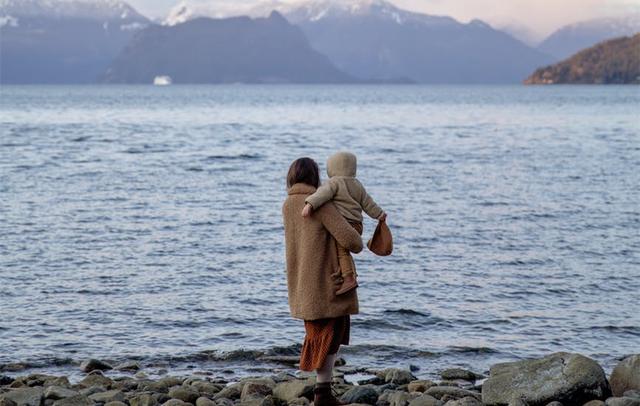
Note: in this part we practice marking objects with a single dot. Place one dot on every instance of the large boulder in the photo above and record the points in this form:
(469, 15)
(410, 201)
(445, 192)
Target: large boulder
(626, 375)
(420, 385)
(360, 394)
(185, 394)
(396, 376)
(288, 391)
(568, 378)
(93, 365)
(58, 392)
(452, 374)
(425, 400)
(77, 400)
(451, 392)
(623, 401)
(25, 396)
(108, 396)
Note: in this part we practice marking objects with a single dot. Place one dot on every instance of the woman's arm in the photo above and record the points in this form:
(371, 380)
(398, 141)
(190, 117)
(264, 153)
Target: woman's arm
(339, 228)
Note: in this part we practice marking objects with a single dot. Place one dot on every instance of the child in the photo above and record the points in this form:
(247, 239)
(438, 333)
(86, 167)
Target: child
(351, 198)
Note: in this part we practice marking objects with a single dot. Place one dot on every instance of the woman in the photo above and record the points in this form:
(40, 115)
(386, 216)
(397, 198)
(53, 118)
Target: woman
(313, 276)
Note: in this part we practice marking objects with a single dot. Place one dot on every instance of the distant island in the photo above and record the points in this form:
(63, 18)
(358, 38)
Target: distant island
(616, 61)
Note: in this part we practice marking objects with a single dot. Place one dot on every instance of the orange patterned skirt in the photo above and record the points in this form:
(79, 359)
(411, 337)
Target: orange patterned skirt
(323, 337)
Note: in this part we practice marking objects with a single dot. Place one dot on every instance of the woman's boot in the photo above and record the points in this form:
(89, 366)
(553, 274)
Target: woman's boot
(323, 396)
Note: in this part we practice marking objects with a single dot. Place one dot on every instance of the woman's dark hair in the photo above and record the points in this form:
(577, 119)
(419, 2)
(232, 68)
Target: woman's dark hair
(304, 170)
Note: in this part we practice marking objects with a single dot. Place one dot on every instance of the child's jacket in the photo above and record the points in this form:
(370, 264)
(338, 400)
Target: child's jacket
(347, 193)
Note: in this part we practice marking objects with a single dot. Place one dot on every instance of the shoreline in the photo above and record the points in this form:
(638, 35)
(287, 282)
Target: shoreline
(560, 377)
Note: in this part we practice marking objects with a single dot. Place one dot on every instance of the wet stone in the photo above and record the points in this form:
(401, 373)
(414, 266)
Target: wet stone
(94, 365)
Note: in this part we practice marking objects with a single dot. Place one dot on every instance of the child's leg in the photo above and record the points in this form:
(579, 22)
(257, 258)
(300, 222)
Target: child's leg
(347, 266)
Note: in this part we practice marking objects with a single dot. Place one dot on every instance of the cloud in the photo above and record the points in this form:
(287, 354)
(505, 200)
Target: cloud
(541, 16)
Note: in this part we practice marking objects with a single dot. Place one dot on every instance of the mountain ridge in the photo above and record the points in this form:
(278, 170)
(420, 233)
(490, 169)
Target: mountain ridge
(231, 50)
(615, 61)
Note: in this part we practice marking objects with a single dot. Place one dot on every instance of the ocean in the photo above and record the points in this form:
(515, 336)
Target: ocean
(144, 223)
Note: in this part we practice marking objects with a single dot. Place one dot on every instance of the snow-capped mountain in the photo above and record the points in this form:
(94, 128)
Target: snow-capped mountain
(186, 10)
(72, 41)
(104, 10)
(374, 39)
(574, 37)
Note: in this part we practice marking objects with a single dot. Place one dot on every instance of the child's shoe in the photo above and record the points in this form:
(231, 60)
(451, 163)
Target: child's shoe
(348, 284)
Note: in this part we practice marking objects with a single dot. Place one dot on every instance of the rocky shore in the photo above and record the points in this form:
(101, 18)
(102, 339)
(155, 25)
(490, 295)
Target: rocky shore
(555, 380)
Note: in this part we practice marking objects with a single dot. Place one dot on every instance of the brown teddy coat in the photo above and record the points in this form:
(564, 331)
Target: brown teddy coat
(313, 272)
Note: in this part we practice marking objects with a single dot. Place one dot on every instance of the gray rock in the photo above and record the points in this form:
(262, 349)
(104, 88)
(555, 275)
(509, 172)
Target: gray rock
(397, 376)
(517, 401)
(452, 374)
(299, 402)
(58, 392)
(633, 393)
(232, 392)
(452, 392)
(224, 402)
(114, 395)
(265, 401)
(401, 398)
(91, 390)
(555, 403)
(202, 401)
(5, 380)
(207, 388)
(140, 375)
(128, 366)
(77, 400)
(143, 399)
(96, 380)
(569, 378)
(262, 381)
(254, 390)
(93, 365)
(175, 402)
(115, 403)
(360, 394)
(6, 402)
(626, 375)
(425, 400)
(466, 401)
(25, 396)
(594, 403)
(288, 391)
(185, 394)
(420, 385)
(622, 401)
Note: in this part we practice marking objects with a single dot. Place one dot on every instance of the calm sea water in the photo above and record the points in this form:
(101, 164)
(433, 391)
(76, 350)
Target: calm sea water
(144, 222)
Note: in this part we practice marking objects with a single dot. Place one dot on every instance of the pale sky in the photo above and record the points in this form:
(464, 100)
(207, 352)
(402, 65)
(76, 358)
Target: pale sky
(539, 16)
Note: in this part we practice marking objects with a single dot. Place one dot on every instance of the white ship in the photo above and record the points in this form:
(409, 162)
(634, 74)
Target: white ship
(162, 80)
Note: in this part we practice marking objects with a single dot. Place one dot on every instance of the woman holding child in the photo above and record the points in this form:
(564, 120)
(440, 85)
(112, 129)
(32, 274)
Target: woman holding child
(314, 275)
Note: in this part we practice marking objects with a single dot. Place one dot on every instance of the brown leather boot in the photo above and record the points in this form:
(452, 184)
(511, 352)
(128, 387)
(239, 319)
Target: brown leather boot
(323, 396)
(348, 284)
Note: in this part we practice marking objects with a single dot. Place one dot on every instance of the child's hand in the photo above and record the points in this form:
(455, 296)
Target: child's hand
(383, 217)
(306, 212)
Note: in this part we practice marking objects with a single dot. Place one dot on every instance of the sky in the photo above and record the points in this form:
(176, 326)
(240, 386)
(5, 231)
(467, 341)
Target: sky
(538, 18)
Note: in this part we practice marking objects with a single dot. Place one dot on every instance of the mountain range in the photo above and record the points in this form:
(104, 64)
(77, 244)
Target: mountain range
(614, 61)
(236, 49)
(572, 38)
(311, 41)
(45, 41)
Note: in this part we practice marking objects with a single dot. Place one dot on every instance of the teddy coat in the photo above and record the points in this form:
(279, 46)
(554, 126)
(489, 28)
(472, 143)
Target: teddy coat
(348, 194)
(313, 272)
